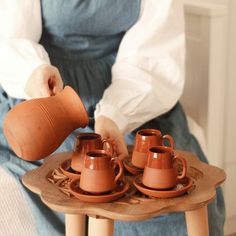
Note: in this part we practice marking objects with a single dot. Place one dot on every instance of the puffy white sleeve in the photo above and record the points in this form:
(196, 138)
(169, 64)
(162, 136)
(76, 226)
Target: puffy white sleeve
(20, 52)
(148, 75)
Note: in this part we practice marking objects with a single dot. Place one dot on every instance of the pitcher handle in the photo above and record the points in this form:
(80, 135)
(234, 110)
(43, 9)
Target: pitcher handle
(119, 163)
(184, 163)
(170, 139)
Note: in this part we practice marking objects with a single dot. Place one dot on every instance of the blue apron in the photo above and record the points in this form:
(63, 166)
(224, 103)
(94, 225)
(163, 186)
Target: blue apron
(82, 39)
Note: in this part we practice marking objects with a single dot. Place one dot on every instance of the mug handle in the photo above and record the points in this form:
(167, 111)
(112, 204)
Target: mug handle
(108, 146)
(184, 163)
(169, 139)
(120, 173)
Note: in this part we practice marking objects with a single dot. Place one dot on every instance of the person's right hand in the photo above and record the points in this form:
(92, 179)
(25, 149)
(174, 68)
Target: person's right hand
(45, 81)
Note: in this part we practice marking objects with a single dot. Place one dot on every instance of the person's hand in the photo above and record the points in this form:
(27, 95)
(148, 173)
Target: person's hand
(45, 81)
(110, 131)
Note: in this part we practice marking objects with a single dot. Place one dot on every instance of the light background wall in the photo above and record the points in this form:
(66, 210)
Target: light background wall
(230, 119)
(227, 154)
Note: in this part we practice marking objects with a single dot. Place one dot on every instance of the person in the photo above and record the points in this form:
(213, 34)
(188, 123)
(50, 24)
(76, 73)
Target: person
(126, 61)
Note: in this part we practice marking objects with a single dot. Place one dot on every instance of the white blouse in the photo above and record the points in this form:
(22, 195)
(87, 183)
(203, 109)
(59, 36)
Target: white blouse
(147, 76)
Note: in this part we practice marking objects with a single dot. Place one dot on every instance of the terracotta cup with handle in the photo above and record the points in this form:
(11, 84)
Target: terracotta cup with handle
(98, 174)
(160, 171)
(84, 143)
(144, 140)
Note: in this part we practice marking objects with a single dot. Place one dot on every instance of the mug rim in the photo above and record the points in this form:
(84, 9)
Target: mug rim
(151, 131)
(88, 134)
(164, 149)
(104, 154)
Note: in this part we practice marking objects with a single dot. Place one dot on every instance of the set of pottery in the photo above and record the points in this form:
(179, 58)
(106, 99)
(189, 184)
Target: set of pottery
(101, 177)
(84, 143)
(99, 181)
(156, 165)
(97, 175)
(36, 128)
(152, 162)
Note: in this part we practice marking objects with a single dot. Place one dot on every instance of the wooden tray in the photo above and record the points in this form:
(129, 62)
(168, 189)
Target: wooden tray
(133, 206)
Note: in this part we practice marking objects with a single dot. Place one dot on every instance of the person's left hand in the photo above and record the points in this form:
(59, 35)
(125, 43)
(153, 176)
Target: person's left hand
(108, 129)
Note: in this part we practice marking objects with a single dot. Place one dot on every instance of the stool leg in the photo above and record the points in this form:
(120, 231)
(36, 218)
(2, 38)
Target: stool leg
(75, 225)
(104, 227)
(197, 222)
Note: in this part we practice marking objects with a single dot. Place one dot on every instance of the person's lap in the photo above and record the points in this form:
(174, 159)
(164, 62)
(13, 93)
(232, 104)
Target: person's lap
(52, 223)
(46, 222)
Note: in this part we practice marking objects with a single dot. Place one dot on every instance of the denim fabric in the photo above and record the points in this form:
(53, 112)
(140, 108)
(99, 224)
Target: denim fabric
(87, 29)
(82, 39)
(16, 167)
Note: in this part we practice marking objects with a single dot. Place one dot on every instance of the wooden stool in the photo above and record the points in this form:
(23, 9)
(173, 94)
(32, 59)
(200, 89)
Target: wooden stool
(131, 207)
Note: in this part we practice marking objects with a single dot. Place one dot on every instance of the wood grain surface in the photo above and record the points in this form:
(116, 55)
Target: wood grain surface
(133, 205)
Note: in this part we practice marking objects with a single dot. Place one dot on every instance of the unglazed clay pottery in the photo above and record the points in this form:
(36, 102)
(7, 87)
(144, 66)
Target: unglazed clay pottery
(160, 171)
(66, 169)
(87, 142)
(121, 188)
(145, 139)
(98, 173)
(37, 127)
(182, 186)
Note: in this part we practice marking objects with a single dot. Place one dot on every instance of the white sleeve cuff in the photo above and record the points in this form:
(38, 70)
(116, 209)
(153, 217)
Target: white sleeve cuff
(21, 58)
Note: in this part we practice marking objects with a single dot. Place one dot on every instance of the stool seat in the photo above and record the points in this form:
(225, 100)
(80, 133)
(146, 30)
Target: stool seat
(132, 206)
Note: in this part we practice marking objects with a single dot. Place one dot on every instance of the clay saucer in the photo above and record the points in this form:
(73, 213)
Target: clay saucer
(121, 188)
(66, 169)
(131, 168)
(181, 188)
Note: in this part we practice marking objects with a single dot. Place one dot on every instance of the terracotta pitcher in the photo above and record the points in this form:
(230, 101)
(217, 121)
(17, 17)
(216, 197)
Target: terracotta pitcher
(37, 127)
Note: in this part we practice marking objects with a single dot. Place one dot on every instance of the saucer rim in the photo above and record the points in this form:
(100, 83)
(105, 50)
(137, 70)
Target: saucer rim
(139, 170)
(97, 198)
(162, 193)
(68, 173)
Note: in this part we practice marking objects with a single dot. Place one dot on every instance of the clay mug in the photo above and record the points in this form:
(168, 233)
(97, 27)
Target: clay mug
(160, 171)
(35, 128)
(87, 142)
(145, 139)
(98, 173)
